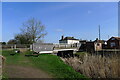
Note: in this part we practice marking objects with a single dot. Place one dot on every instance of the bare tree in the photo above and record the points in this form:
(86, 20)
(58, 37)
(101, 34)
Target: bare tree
(34, 28)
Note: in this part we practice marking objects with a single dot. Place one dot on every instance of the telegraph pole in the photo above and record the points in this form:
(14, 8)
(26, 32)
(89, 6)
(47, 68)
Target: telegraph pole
(108, 36)
(99, 32)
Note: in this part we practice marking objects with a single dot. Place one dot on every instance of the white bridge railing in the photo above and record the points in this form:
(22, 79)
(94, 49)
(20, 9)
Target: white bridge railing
(63, 45)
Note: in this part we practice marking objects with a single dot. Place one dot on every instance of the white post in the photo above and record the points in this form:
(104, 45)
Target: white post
(31, 47)
(14, 46)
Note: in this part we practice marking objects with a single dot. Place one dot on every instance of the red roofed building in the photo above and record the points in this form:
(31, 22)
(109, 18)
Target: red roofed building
(113, 43)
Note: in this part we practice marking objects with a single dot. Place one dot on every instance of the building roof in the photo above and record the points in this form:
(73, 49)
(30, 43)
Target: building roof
(83, 40)
(69, 38)
(117, 38)
(99, 41)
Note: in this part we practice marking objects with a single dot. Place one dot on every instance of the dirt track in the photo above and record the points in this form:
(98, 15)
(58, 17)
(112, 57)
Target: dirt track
(15, 71)
(18, 70)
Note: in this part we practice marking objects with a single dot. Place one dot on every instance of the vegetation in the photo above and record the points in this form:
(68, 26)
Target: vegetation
(80, 53)
(3, 43)
(49, 63)
(12, 41)
(23, 39)
(32, 31)
(95, 66)
(53, 65)
(10, 59)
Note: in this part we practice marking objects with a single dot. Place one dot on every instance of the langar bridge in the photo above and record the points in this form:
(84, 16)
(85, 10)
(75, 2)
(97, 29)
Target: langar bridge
(59, 49)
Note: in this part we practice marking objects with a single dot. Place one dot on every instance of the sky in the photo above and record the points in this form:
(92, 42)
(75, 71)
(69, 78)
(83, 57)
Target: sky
(74, 19)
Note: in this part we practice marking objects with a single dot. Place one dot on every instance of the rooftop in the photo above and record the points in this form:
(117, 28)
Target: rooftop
(68, 38)
(117, 38)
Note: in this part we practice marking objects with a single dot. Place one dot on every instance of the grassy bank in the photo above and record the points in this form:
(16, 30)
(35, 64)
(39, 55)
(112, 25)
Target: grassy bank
(49, 63)
(55, 66)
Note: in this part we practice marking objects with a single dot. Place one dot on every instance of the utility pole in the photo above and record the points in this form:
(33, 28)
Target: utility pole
(99, 32)
(108, 37)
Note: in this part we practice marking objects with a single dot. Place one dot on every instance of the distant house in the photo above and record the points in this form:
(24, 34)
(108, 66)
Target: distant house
(113, 43)
(68, 40)
(100, 44)
(91, 46)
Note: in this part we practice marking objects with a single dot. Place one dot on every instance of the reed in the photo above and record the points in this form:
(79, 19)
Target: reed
(95, 66)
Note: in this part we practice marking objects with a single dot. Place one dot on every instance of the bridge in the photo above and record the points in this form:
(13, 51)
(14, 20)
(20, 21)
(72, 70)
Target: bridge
(54, 48)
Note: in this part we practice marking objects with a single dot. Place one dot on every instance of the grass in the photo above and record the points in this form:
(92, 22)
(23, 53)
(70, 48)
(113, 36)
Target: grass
(81, 53)
(49, 63)
(10, 59)
(96, 66)
(54, 65)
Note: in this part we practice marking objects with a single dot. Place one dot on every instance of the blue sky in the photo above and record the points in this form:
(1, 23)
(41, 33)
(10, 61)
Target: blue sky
(77, 19)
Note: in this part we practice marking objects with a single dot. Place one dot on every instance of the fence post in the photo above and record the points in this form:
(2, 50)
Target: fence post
(31, 47)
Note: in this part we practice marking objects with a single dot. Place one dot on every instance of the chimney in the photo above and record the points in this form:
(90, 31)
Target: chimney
(62, 37)
(96, 39)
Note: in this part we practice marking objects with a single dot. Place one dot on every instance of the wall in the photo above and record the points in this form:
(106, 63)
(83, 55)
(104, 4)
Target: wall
(98, 46)
(37, 47)
(69, 41)
(73, 41)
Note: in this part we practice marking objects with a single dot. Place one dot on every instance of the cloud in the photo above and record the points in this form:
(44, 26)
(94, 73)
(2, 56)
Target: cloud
(59, 30)
(89, 12)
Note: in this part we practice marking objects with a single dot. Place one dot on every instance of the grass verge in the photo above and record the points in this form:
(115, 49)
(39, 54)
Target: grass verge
(49, 63)
(55, 66)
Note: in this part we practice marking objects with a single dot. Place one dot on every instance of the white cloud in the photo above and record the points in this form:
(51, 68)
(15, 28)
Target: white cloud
(59, 30)
(89, 12)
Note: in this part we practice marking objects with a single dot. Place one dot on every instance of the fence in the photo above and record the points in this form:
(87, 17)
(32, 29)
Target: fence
(108, 52)
(14, 46)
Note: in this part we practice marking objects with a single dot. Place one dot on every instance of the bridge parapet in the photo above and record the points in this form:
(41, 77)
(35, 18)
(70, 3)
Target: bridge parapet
(63, 45)
(38, 47)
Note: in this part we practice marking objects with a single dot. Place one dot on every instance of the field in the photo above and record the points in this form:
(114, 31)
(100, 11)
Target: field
(44, 66)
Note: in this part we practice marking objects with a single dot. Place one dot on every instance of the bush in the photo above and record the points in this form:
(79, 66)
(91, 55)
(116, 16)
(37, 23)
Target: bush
(14, 52)
(31, 53)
